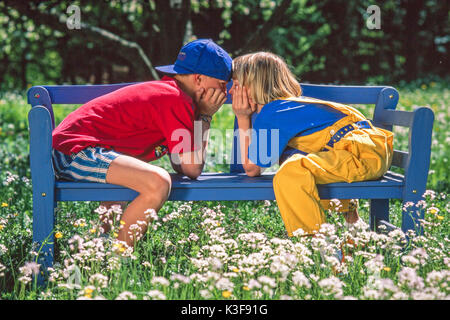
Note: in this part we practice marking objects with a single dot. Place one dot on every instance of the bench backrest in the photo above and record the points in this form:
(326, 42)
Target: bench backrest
(415, 160)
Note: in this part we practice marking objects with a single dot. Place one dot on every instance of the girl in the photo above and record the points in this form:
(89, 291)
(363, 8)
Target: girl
(328, 142)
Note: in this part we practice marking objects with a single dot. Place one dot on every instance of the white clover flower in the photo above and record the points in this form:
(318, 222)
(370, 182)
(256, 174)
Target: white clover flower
(299, 232)
(332, 286)
(300, 280)
(224, 284)
(126, 295)
(161, 281)
(408, 277)
(30, 268)
(193, 237)
(150, 214)
(99, 280)
(25, 279)
(180, 278)
(375, 264)
(254, 284)
(268, 281)
(156, 295)
(439, 279)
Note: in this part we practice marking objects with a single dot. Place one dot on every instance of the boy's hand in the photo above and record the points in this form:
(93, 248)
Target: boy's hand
(241, 104)
(209, 101)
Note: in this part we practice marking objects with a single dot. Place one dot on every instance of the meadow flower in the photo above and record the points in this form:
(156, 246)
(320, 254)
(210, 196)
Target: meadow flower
(156, 295)
(206, 294)
(380, 288)
(224, 284)
(408, 278)
(226, 294)
(193, 237)
(376, 264)
(439, 279)
(99, 280)
(180, 278)
(332, 286)
(160, 281)
(24, 279)
(430, 193)
(126, 295)
(268, 281)
(300, 280)
(30, 268)
(254, 284)
(150, 214)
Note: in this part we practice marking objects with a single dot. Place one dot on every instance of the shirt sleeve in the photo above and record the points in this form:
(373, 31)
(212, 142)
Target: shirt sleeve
(176, 122)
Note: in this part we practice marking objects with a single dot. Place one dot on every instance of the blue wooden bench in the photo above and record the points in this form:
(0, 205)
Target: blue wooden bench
(235, 185)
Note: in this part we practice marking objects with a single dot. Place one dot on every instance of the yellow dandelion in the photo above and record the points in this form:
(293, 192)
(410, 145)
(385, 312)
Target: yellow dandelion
(92, 230)
(115, 234)
(439, 217)
(88, 292)
(4, 204)
(1, 227)
(387, 269)
(58, 235)
(246, 288)
(235, 270)
(122, 222)
(226, 294)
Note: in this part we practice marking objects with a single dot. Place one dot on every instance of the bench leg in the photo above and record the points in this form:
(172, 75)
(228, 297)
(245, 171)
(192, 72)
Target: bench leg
(43, 231)
(379, 211)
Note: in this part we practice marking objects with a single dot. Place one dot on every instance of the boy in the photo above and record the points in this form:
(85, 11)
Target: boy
(112, 138)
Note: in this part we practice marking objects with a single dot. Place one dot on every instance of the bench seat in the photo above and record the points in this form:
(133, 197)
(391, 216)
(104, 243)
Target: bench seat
(226, 186)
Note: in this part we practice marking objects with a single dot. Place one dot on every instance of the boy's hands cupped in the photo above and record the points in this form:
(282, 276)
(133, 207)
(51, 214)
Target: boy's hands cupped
(241, 103)
(209, 101)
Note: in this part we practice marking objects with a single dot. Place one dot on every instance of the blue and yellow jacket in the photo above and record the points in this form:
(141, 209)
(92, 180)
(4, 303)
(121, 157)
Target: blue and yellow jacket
(297, 125)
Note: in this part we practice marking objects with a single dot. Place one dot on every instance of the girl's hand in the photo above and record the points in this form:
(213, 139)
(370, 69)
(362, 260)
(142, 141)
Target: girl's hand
(241, 104)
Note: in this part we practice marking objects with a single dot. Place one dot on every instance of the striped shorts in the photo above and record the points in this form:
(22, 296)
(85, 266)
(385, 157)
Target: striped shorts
(89, 164)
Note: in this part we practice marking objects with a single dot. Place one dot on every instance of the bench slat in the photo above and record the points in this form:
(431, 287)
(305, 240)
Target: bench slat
(225, 186)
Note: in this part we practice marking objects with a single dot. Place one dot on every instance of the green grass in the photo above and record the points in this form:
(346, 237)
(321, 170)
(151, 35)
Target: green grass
(225, 250)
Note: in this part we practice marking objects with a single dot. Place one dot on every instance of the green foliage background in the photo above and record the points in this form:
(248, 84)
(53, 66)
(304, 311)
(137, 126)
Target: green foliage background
(323, 41)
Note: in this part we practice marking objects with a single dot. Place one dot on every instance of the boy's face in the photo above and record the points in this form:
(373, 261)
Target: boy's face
(207, 82)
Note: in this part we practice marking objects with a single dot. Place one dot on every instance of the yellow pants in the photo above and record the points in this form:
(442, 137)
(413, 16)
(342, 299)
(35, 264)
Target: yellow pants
(362, 154)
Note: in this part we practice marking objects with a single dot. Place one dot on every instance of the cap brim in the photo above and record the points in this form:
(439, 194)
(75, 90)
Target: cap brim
(173, 69)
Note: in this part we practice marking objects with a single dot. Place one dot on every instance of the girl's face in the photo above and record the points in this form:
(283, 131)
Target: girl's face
(251, 102)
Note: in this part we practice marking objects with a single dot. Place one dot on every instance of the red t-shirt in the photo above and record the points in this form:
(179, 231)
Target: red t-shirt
(137, 120)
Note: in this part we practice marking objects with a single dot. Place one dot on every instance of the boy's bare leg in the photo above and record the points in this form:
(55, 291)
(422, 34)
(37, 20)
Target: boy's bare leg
(151, 182)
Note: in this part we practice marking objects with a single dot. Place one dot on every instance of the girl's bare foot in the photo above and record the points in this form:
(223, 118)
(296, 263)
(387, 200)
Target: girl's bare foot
(352, 215)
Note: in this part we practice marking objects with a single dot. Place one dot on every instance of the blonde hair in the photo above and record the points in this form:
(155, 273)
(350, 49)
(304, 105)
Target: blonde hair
(267, 76)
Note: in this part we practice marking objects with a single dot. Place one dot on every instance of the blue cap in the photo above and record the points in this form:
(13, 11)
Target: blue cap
(201, 56)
